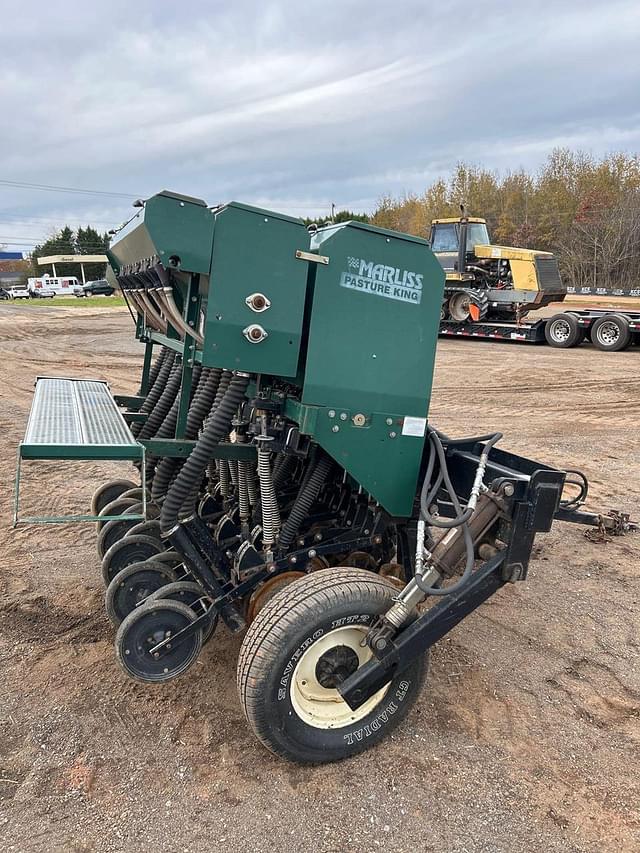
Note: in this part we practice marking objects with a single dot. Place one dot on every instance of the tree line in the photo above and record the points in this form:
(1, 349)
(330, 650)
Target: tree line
(585, 210)
(66, 241)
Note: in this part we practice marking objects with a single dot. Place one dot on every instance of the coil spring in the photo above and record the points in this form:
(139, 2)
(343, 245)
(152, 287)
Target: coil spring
(244, 472)
(225, 477)
(269, 502)
(233, 471)
(252, 483)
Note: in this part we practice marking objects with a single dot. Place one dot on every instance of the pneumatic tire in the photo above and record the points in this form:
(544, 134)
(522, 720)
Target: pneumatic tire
(611, 333)
(304, 642)
(562, 331)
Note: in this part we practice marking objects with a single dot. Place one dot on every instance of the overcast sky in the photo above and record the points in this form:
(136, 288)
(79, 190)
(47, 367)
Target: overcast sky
(294, 105)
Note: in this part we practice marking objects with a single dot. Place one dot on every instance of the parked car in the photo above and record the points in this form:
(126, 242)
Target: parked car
(101, 287)
(43, 293)
(19, 293)
(4, 294)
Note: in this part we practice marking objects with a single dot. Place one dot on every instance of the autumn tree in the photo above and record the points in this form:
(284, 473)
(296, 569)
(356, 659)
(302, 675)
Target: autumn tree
(586, 211)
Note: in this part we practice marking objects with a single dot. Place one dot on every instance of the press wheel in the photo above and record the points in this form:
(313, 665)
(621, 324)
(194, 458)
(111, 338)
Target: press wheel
(149, 625)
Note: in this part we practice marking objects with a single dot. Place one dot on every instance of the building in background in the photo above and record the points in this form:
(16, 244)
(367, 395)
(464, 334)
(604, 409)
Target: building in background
(14, 269)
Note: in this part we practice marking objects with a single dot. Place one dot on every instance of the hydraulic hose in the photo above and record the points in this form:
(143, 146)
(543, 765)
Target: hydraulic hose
(462, 516)
(156, 389)
(580, 480)
(429, 492)
(283, 470)
(216, 428)
(306, 497)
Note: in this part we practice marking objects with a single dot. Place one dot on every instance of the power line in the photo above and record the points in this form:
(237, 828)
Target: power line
(23, 185)
(24, 241)
(38, 220)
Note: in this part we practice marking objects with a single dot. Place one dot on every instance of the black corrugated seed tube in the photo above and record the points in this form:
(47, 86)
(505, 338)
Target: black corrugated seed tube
(167, 428)
(189, 503)
(156, 389)
(155, 367)
(167, 398)
(306, 497)
(216, 428)
(200, 406)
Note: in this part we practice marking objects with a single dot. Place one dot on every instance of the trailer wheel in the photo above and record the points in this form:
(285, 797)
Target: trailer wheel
(563, 331)
(611, 333)
(305, 642)
(131, 549)
(108, 493)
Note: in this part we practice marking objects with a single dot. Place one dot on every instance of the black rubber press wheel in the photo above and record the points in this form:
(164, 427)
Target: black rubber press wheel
(108, 493)
(148, 625)
(305, 642)
(131, 549)
(146, 528)
(116, 508)
(133, 585)
(115, 530)
(191, 594)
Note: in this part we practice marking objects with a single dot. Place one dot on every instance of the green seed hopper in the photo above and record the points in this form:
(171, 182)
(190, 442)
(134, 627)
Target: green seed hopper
(259, 295)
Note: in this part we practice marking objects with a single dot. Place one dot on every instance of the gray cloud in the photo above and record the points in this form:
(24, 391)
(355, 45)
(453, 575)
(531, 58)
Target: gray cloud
(294, 105)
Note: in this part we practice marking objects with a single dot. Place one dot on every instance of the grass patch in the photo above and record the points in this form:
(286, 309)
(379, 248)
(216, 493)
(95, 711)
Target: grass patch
(74, 302)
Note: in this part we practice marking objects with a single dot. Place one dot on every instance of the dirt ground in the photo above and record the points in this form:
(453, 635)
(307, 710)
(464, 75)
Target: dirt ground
(526, 737)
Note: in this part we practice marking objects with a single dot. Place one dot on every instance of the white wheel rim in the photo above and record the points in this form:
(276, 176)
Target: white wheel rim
(323, 707)
(459, 307)
(560, 331)
(608, 333)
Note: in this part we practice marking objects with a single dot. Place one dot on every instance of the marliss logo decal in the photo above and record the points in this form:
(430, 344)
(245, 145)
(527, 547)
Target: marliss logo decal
(390, 282)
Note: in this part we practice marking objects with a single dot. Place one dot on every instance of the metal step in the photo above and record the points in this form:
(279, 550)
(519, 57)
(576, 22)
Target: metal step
(76, 419)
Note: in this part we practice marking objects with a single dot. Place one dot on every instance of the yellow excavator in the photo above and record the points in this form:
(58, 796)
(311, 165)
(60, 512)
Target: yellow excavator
(485, 281)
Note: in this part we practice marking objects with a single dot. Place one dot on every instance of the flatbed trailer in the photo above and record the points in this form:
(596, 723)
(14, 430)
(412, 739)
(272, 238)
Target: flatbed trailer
(608, 329)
